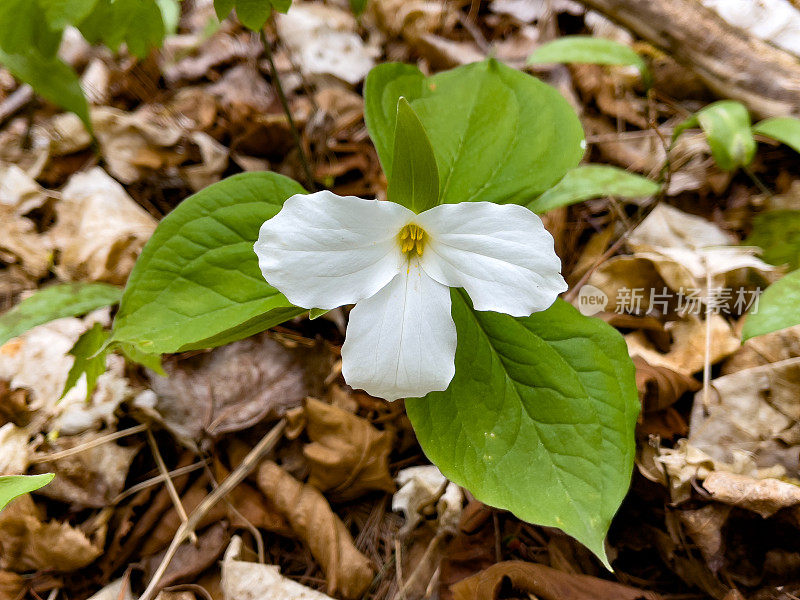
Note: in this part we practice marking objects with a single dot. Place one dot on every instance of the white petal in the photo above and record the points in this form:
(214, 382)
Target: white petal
(501, 254)
(401, 342)
(322, 250)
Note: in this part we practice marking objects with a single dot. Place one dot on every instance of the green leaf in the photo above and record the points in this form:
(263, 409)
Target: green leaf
(414, 181)
(56, 302)
(777, 308)
(24, 29)
(252, 13)
(538, 419)
(778, 233)
(134, 354)
(61, 13)
(13, 486)
(727, 127)
(358, 7)
(170, 14)
(137, 23)
(197, 283)
(90, 359)
(593, 181)
(52, 79)
(782, 129)
(316, 313)
(590, 50)
(498, 134)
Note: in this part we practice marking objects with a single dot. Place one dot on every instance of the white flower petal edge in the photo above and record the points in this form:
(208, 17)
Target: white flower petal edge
(322, 250)
(501, 254)
(401, 342)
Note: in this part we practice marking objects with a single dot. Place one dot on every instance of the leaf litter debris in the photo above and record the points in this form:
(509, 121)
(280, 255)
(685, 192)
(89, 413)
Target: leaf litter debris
(344, 505)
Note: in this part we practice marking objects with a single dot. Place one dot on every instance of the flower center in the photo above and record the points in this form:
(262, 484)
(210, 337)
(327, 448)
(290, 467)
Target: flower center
(412, 239)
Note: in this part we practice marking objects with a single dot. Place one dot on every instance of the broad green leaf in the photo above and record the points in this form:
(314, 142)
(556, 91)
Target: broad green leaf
(24, 29)
(590, 50)
(316, 313)
(358, 7)
(252, 13)
(777, 308)
(782, 129)
(778, 233)
(593, 181)
(538, 419)
(13, 486)
(61, 13)
(197, 283)
(498, 134)
(137, 23)
(414, 181)
(56, 302)
(134, 354)
(90, 359)
(727, 127)
(52, 79)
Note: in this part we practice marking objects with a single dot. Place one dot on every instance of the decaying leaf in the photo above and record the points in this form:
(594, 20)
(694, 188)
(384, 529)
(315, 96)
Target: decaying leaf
(349, 573)
(425, 488)
(763, 496)
(704, 525)
(687, 352)
(764, 349)
(119, 589)
(323, 41)
(100, 229)
(14, 451)
(543, 582)
(347, 455)
(753, 412)
(228, 389)
(30, 544)
(659, 386)
(91, 478)
(253, 581)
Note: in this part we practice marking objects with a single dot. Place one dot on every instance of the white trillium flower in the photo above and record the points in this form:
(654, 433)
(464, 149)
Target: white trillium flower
(323, 251)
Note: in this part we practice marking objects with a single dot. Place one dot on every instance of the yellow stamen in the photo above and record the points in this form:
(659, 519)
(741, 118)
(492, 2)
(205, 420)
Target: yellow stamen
(412, 239)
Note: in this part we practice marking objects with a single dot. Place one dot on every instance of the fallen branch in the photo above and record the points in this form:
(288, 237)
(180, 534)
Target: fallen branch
(731, 62)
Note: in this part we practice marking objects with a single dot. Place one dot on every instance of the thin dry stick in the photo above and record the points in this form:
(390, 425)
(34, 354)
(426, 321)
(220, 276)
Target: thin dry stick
(250, 462)
(173, 493)
(423, 562)
(155, 481)
(276, 80)
(707, 356)
(88, 445)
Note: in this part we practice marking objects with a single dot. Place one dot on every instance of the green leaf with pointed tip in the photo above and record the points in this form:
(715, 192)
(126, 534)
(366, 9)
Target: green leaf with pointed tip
(590, 50)
(90, 355)
(24, 30)
(498, 134)
(134, 354)
(539, 418)
(777, 232)
(727, 127)
(13, 486)
(593, 181)
(785, 130)
(52, 79)
(56, 302)
(316, 313)
(777, 308)
(197, 283)
(414, 181)
(137, 23)
(223, 8)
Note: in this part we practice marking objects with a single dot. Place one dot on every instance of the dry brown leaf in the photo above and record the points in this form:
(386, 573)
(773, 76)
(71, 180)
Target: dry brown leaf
(687, 353)
(90, 479)
(30, 544)
(229, 389)
(190, 560)
(243, 580)
(704, 526)
(347, 455)
(12, 586)
(348, 572)
(752, 413)
(660, 387)
(100, 229)
(765, 349)
(762, 496)
(15, 454)
(21, 244)
(543, 582)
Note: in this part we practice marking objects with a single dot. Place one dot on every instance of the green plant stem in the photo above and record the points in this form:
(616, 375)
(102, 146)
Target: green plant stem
(276, 80)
